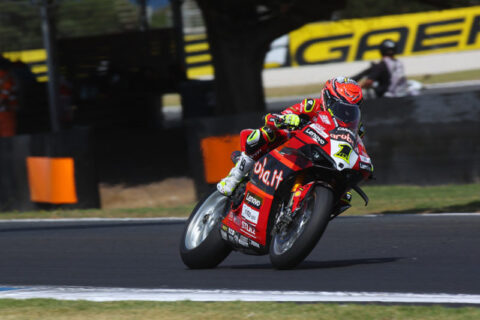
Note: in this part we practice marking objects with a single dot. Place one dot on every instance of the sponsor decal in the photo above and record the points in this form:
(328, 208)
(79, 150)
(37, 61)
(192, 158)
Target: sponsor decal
(342, 136)
(248, 228)
(224, 227)
(253, 200)
(242, 164)
(366, 166)
(269, 178)
(254, 244)
(243, 241)
(231, 231)
(365, 159)
(325, 119)
(345, 130)
(315, 136)
(319, 129)
(250, 214)
(344, 152)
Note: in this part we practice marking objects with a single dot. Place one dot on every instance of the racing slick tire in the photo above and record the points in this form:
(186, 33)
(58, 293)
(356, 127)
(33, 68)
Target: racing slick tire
(201, 245)
(294, 243)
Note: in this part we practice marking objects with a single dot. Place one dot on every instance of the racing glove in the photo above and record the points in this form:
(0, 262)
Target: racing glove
(290, 120)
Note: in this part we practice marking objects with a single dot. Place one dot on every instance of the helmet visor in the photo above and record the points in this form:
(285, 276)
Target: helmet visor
(348, 114)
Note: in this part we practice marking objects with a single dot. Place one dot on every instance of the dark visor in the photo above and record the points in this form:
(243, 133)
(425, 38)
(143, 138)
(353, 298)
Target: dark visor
(349, 114)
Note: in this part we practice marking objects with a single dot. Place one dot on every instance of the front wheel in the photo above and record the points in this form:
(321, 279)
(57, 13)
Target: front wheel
(293, 244)
(201, 245)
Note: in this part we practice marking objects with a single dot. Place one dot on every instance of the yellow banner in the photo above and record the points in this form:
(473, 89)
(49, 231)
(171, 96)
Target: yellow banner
(358, 39)
(340, 41)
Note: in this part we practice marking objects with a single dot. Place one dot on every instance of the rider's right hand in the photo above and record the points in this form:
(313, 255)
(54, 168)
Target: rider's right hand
(291, 120)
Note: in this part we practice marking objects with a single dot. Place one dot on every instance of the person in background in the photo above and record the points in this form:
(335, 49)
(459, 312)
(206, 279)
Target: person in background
(8, 101)
(387, 78)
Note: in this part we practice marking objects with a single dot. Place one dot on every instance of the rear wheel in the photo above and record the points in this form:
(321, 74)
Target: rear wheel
(201, 245)
(293, 243)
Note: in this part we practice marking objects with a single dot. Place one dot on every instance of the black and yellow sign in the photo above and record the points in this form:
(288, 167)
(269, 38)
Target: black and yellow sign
(358, 39)
(339, 41)
(36, 59)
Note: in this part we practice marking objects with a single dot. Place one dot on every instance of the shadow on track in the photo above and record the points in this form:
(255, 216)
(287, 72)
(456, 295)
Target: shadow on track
(320, 264)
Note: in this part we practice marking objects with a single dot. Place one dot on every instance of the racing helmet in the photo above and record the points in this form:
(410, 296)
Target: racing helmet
(342, 97)
(388, 47)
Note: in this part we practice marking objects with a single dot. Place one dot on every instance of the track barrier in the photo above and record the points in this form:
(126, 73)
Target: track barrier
(427, 139)
(48, 171)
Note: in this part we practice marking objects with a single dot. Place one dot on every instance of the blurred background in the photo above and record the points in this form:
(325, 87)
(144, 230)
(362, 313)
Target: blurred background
(130, 89)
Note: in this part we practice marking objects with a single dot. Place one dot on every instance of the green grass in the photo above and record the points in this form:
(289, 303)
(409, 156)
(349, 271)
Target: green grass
(47, 309)
(448, 77)
(158, 212)
(416, 199)
(383, 199)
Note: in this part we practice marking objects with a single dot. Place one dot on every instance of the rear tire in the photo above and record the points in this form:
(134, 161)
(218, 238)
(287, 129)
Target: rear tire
(201, 245)
(291, 246)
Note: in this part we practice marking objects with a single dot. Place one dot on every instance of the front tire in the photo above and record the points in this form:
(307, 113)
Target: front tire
(201, 245)
(294, 243)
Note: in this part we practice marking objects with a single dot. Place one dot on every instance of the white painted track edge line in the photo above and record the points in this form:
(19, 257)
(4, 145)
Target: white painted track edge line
(181, 219)
(165, 219)
(122, 294)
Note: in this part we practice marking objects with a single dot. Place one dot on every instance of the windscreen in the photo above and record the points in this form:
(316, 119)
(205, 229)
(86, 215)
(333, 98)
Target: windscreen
(348, 114)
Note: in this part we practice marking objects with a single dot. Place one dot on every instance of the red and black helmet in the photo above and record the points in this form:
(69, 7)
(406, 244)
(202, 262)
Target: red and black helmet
(342, 89)
(342, 97)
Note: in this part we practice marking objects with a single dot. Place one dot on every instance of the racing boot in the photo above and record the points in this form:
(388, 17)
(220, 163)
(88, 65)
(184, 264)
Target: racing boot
(230, 182)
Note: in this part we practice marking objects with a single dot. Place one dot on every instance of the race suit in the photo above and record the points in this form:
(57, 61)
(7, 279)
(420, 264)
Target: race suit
(256, 143)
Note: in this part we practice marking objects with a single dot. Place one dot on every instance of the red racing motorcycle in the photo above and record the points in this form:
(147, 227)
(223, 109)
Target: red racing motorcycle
(284, 205)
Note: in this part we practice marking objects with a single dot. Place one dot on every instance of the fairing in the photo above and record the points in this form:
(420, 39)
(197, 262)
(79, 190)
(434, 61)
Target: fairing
(321, 144)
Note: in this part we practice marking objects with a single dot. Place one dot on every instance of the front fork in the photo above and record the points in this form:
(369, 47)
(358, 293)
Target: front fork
(297, 195)
(288, 211)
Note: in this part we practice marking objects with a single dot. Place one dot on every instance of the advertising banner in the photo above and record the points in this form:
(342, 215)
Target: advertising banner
(358, 39)
(335, 41)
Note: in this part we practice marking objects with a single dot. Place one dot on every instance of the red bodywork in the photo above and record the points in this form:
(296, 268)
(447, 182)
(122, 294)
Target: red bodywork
(246, 225)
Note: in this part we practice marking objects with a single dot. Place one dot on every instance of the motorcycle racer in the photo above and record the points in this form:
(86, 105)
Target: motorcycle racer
(341, 97)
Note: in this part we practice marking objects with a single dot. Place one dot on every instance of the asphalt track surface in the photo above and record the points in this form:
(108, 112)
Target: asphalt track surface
(392, 253)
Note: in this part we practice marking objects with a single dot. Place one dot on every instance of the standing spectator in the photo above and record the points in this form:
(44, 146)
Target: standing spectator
(387, 78)
(8, 103)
